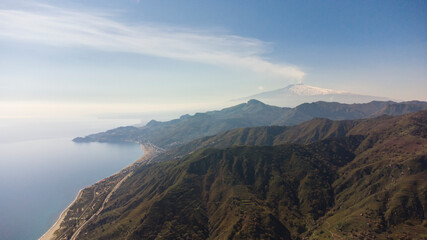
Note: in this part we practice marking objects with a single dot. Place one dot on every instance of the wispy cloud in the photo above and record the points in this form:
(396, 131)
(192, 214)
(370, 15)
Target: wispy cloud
(61, 27)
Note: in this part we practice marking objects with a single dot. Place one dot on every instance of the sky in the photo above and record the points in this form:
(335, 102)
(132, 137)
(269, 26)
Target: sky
(112, 58)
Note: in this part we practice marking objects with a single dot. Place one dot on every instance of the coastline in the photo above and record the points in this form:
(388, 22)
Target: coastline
(50, 233)
(149, 151)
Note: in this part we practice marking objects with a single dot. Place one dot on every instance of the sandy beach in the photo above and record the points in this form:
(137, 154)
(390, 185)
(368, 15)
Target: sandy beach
(50, 233)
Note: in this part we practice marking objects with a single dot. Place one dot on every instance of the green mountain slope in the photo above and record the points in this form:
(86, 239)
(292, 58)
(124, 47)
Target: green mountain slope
(362, 179)
(252, 114)
(240, 193)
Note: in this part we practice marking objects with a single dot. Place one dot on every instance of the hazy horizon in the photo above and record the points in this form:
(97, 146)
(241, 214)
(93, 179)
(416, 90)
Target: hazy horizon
(94, 58)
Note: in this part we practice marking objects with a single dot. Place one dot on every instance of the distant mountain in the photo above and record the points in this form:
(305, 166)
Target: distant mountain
(251, 114)
(296, 94)
(186, 128)
(322, 179)
(339, 111)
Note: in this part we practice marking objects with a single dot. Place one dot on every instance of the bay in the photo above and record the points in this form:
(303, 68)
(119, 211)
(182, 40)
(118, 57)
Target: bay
(39, 178)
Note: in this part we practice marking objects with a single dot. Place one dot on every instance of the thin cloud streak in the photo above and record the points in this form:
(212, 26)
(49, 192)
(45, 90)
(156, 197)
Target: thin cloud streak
(59, 27)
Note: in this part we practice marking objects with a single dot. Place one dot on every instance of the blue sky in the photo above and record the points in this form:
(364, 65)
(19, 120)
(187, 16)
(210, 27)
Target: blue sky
(95, 57)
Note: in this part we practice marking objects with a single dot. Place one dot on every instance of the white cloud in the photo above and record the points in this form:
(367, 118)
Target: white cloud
(60, 27)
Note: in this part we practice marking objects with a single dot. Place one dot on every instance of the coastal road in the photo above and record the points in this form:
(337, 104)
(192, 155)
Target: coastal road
(150, 151)
(77, 232)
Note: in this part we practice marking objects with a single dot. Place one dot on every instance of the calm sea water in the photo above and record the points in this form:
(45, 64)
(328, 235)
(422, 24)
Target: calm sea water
(40, 178)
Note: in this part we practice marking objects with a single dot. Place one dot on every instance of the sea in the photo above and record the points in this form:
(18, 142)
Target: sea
(42, 170)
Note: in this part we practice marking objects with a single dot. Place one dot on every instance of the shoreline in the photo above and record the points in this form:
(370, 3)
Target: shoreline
(149, 150)
(49, 234)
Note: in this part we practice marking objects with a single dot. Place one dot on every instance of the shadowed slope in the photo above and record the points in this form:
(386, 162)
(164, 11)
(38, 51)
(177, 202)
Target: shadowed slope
(239, 193)
(365, 179)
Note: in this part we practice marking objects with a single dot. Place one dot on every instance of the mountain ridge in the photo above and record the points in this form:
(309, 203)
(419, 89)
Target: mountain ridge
(296, 94)
(179, 131)
(365, 180)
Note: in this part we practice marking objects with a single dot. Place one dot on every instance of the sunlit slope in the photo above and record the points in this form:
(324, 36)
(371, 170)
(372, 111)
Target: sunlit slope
(251, 114)
(351, 179)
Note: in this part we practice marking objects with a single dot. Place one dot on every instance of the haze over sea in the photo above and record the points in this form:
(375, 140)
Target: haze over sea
(42, 170)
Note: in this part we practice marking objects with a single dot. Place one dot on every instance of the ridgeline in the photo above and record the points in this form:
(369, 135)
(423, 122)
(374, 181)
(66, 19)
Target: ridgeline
(322, 179)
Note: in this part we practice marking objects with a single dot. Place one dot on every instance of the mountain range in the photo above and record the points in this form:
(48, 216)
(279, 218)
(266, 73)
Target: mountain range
(321, 179)
(320, 170)
(254, 113)
(296, 94)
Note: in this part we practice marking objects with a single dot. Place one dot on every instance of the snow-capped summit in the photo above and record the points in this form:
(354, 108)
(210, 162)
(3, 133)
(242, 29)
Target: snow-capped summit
(307, 90)
(296, 94)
